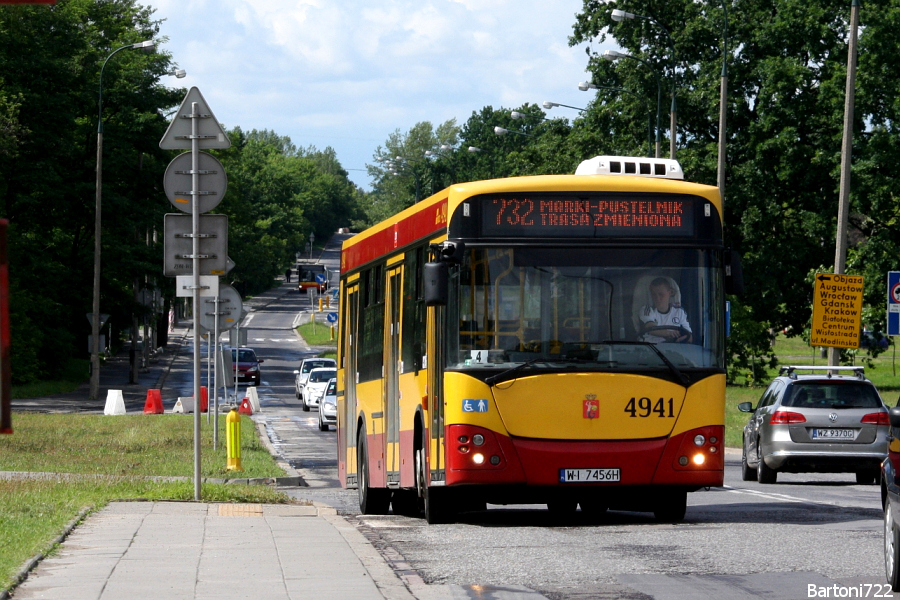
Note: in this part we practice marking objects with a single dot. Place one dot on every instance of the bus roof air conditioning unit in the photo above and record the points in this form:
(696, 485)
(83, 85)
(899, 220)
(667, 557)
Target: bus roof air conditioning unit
(662, 168)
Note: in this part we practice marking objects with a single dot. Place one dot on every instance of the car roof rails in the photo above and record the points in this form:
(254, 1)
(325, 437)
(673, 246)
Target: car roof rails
(791, 371)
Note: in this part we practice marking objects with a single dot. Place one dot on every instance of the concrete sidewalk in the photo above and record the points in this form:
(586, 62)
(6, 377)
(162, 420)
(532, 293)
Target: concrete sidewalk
(182, 550)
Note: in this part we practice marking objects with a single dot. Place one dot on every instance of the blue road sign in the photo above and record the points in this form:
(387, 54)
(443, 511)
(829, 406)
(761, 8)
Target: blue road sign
(893, 303)
(332, 317)
(320, 277)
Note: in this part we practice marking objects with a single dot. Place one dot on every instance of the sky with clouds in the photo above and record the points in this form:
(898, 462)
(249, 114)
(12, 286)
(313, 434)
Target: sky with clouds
(345, 74)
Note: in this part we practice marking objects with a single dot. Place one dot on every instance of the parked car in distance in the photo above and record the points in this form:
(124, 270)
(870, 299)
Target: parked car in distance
(890, 498)
(316, 384)
(818, 422)
(328, 406)
(307, 365)
(247, 365)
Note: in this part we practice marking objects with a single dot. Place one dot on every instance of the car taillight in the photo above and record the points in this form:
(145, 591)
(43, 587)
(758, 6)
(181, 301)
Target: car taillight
(786, 417)
(879, 418)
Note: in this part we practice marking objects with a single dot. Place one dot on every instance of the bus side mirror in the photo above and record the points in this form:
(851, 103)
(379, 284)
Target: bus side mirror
(437, 279)
(734, 273)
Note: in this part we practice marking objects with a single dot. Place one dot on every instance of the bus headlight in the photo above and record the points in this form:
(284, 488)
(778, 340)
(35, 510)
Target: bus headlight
(699, 440)
(699, 459)
(478, 458)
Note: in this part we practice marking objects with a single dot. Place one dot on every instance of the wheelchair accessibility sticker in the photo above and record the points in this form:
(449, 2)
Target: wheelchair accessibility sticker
(469, 405)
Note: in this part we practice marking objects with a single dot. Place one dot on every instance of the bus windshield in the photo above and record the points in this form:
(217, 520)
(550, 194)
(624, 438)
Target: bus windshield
(614, 309)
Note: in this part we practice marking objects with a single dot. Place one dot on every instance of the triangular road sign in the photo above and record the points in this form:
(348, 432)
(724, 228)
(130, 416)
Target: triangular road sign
(178, 134)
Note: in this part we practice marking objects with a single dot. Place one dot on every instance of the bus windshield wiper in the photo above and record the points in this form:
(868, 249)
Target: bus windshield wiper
(497, 377)
(684, 379)
(502, 375)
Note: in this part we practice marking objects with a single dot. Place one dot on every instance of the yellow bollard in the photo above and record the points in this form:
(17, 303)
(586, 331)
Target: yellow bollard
(233, 441)
(331, 337)
(321, 302)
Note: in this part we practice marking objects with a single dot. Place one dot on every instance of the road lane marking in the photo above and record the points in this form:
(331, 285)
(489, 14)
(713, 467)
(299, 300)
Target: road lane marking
(792, 499)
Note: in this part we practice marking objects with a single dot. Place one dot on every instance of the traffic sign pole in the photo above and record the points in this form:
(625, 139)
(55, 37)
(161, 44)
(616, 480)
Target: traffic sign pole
(195, 219)
(216, 379)
(195, 125)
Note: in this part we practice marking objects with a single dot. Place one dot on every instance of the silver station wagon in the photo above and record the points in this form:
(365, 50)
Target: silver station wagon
(831, 420)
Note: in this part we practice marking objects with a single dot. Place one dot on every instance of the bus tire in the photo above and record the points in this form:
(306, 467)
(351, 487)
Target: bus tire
(438, 505)
(671, 507)
(372, 501)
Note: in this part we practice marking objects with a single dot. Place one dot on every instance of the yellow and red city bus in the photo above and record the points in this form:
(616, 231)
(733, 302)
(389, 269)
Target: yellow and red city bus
(311, 276)
(497, 345)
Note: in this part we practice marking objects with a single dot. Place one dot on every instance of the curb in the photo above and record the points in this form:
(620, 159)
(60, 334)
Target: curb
(33, 562)
(294, 479)
(289, 481)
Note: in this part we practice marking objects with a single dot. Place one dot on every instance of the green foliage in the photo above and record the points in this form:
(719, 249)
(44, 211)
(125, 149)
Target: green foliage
(50, 66)
(749, 347)
(50, 61)
(278, 195)
(787, 71)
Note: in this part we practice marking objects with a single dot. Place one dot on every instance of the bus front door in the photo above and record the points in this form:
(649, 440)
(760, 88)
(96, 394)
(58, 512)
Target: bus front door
(435, 357)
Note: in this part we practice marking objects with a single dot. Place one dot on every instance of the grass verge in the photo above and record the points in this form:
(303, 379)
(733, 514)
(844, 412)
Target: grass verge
(317, 334)
(127, 449)
(128, 445)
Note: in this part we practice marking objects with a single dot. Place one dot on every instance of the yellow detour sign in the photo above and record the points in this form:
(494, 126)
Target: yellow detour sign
(837, 310)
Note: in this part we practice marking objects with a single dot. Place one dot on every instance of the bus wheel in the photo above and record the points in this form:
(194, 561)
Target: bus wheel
(438, 504)
(671, 507)
(371, 501)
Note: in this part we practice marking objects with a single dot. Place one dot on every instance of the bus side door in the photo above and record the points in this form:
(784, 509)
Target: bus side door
(392, 361)
(347, 413)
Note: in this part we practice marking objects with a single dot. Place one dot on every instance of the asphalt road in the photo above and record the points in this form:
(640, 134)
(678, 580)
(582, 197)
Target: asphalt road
(806, 536)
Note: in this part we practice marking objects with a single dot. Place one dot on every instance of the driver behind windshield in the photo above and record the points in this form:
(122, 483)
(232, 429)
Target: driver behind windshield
(663, 320)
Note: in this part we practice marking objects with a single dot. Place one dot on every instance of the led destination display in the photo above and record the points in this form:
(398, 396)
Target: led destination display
(587, 217)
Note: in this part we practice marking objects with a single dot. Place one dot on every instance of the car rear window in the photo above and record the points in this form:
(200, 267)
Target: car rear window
(833, 394)
(309, 366)
(322, 376)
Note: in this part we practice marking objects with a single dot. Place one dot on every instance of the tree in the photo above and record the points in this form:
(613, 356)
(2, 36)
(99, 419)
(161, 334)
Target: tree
(50, 59)
(786, 82)
(278, 195)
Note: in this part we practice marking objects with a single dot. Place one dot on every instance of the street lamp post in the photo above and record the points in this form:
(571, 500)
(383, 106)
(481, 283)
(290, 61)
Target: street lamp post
(723, 102)
(147, 45)
(613, 55)
(548, 105)
(501, 131)
(840, 253)
(620, 15)
(587, 85)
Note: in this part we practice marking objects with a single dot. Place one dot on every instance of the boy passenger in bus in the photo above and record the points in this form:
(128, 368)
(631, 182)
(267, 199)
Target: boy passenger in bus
(663, 320)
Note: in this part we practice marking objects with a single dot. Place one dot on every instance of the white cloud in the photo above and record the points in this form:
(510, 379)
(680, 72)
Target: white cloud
(347, 73)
